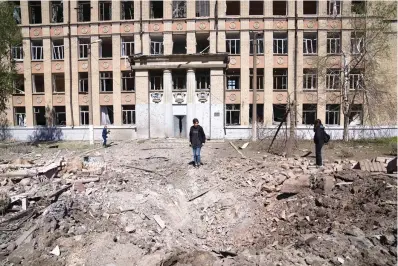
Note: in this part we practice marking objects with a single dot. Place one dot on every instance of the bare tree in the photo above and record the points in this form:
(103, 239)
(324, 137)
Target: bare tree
(360, 80)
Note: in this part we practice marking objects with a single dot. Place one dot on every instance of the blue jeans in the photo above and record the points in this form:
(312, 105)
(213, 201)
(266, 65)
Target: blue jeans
(104, 141)
(196, 155)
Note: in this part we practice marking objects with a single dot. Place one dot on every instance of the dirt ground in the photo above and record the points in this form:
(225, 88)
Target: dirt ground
(148, 206)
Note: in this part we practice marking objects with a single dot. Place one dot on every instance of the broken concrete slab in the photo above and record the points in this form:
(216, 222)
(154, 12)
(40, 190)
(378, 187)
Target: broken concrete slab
(56, 251)
(244, 146)
(295, 185)
(366, 165)
(159, 221)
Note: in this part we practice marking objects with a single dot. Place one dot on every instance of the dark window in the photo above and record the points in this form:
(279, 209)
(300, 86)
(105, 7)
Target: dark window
(83, 11)
(59, 82)
(127, 81)
(279, 8)
(179, 80)
(127, 10)
(279, 111)
(202, 79)
(280, 79)
(256, 7)
(310, 43)
(358, 7)
(332, 114)
(106, 81)
(39, 115)
(17, 12)
(232, 114)
(179, 44)
(233, 80)
(309, 114)
(128, 113)
(19, 84)
(57, 12)
(106, 48)
(59, 115)
(260, 78)
(310, 7)
(202, 8)
(233, 8)
(84, 115)
(105, 10)
(260, 113)
(38, 83)
(156, 9)
(202, 43)
(179, 9)
(35, 12)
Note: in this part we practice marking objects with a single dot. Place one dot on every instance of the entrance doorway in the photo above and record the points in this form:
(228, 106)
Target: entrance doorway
(180, 126)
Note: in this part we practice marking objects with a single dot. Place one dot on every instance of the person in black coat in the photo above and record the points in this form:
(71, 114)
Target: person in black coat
(319, 138)
(197, 139)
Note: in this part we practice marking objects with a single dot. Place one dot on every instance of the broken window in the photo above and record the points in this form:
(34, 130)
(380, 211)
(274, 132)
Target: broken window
(106, 115)
(105, 10)
(83, 11)
(106, 81)
(83, 82)
(310, 79)
(156, 44)
(83, 48)
(310, 43)
(278, 113)
(357, 42)
(57, 12)
(155, 80)
(233, 79)
(356, 115)
(280, 79)
(202, 8)
(35, 12)
(37, 50)
(310, 7)
(333, 42)
(279, 8)
(179, 9)
(58, 83)
(332, 114)
(156, 9)
(202, 79)
(127, 10)
(356, 79)
(105, 47)
(280, 43)
(20, 116)
(84, 115)
(128, 114)
(202, 43)
(309, 114)
(58, 49)
(179, 44)
(17, 53)
(333, 79)
(59, 115)
(334, 7)
(127, 46)
(179, 80)
(260, 45)
(256, 7)
(17, 12)
(233, 8)
(358, 7)
(260, 113)
(232, 114)
(127, 81)
(19, 84)
(260, 78)
(233, 43)
(38, 83)
(39, 118)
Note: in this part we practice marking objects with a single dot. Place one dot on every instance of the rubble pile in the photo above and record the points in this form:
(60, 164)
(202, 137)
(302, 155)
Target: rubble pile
(141, 203)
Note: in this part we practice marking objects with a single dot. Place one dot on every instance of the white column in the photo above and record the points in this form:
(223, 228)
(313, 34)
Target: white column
(191, 100)
(168, 103)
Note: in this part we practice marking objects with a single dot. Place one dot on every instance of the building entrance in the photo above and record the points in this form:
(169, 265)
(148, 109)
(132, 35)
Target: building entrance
(180, 126)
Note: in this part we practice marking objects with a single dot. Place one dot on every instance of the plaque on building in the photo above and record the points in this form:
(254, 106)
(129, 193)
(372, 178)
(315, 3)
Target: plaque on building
(217, 114)
(156, 97)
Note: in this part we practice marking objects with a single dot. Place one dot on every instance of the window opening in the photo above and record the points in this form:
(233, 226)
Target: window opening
(179, 44)
(280, 79)
(106, 48)
(260, 79)
(19, 84)
(202, 79)
(83, 48)
(58, 83)
(156, 81)
(127, 81)
(128, 114)
(310, 43)
(256, 7)
(309, 114)
(58, 50)
(106, 81)
(57, 12)
(202, 43)
(35, 12)
(233, 79)
(233, 8)
(17, 53)
(233, 43)
(38, 83)
(106, 115)
(333, 43)
(105, 10)
(84, 11)
(84, 115)
(156, 45)
(60, 115)
(279, 8)
(179, 80)
(127, 46)
(232, 114)
(37, 50)
(279, 111)
(280, 43)
(202, 8)
(20, 116)
(333, 114)
(310, 7)
(83, 82)
(156, 9)
(310, 79)
(334, 7)
(260, 113)
(39, 116)
(333, 79)
(179, 9)
(127, 8)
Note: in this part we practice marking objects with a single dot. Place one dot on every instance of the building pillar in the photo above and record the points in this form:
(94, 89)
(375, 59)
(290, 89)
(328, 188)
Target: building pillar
(116, 10)
(168, 103)
(322, 94)
(117, 86)
(94, 76)
(244, 78)
(217, 101)
(191, 43)
(45, 12)
(68, 88)
(48, 88)
(268, 78)
(24, 15)
(191, 99)
(75, 80)
(168, 43)
(28, 81)
(142, 104)
(94, 10)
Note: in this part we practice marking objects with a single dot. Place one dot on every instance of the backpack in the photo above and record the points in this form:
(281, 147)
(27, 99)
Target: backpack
(326, 137)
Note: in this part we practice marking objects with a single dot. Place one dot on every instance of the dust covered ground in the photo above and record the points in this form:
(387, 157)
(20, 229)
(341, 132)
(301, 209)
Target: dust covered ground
(141, 203)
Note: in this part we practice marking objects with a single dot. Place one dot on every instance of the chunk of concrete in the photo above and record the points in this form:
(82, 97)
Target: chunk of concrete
(295, 185)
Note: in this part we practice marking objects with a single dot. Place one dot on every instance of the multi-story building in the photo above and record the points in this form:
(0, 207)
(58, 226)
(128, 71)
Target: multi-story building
(152, 66)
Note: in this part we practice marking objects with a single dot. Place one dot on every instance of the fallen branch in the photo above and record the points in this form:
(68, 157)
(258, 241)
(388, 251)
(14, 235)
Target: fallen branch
(202, 193)
(233, 145)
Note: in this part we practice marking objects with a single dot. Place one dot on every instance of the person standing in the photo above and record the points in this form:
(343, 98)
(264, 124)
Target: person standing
(105, 133)
(197, 139)
(319, 138)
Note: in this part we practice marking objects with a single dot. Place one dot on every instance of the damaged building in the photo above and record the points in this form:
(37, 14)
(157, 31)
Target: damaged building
(156, 65)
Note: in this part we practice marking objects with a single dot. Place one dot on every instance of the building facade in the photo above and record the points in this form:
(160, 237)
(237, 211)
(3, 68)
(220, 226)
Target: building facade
(153, 66)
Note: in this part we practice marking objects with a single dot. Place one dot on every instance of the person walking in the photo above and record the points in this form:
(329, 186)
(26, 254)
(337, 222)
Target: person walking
(105, 133)
(197, 139)
(319, 139)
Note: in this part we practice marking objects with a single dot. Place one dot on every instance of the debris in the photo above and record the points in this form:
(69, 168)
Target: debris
(341, 260)
(366, 165)
(233, 145)
(225, 253)
(19, 175)
(56, 251)
(343, 183)
(159, 221)
(24, 204)
(244, 146)
(130, 229)
(306, 154)
(25, 235)
(283, 215)
(5, 201)
(392, 166)
(142, 169)
(202, 193)
(295, 185)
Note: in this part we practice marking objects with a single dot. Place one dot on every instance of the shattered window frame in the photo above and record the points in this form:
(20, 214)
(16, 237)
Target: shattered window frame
(84, 15)
(19, 84)
(332, 114)
(127, 10)
(104, 10)
(38, 86)
(106, 81)
(55, 82)
(202, 8)
(333, 43)
(20, 116)
(59, 115)
(35, 7)
(280, 76)
(280, 42)
(128, 81)
(179, 9)
(310, 43)
(232, 114)
(57, 12)
(278, 113)
(309, 114)
(128, 114)
(17, 12)
(58, 50)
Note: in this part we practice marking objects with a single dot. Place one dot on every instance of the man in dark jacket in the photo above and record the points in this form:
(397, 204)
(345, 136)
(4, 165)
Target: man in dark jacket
(105, 133)
(319, 138)
(197, 139)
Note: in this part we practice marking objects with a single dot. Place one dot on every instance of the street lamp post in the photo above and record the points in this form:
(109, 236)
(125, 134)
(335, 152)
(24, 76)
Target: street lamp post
(90, 94)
